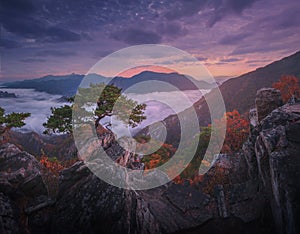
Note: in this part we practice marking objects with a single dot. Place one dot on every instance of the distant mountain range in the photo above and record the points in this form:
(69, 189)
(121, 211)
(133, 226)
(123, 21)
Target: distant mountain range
(238, 93)
(67, 85)
(63, 85)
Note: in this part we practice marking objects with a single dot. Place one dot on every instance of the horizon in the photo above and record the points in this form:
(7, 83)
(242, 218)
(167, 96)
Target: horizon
(140, 69)
(230, 38)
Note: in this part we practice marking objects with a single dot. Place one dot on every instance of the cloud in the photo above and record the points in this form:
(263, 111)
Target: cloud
(35, 29)
(102, 53)
(258, 61)
(8, 44)
(234, 39)
(270, 31)
(230, 60)
(285, 19)
(172, 29)
(36, 103)
(134, 36)
(261, 48)
(217, 9)
(201, 58)
(32, 60)
(22, 18)
(185, 9)
(56, 53)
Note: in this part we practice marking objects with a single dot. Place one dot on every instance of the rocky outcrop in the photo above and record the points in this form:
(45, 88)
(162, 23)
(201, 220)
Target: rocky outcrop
(88, 204)
(59, 146)
(20, 173)
(277, 152)
(267, 99)
(251, 191)
(8, 216)
(21, 183)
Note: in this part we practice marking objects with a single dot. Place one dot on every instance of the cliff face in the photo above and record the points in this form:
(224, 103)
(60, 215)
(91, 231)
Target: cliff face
(277, 151)
(253, 191)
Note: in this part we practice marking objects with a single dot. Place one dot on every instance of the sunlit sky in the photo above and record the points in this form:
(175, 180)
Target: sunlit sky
(229, 37)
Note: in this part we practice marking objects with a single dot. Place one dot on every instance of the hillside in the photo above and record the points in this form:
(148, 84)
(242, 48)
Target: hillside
(64, 85)
(239, 93)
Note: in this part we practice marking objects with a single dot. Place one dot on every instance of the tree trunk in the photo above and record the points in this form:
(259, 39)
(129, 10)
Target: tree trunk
(97, 121)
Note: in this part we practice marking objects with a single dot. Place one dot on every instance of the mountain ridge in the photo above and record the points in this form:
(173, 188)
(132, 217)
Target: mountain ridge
(67, 85)
(236, 93)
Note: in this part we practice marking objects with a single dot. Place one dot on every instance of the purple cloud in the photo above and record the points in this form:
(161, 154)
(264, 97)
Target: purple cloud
(134, 36)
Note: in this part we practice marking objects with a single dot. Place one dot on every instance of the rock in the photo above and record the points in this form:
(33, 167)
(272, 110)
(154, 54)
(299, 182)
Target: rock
(277, 152)
(8, 216)
(255, 190)
(253, 117)
(267, 99)
(39, 214)
(20, 173)
(88, 204)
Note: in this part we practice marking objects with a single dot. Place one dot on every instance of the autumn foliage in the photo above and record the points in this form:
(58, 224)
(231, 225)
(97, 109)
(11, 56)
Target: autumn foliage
(159, 157)
(52, 165)
(51, 169)
(288, 86)
(237, 131)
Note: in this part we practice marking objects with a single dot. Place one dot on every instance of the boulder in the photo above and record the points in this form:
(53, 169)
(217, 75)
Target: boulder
(9, 216)
(20, 173)
(267, 99)
(277, 152)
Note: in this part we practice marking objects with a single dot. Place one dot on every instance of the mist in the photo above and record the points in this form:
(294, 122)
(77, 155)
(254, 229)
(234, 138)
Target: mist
(36, 103)
(159, 106)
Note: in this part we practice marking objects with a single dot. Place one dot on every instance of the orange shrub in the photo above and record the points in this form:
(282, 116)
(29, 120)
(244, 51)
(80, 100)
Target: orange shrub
(288, 86)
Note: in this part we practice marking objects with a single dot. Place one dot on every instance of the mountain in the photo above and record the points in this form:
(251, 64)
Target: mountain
(7, 95)
(64, 85)
(173, 80)
(238, 93)
(67, 85)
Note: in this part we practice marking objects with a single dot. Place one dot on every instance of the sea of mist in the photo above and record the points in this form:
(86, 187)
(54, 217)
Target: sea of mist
(159, 105)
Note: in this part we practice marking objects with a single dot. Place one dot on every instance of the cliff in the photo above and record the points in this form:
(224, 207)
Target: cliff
(252, 191)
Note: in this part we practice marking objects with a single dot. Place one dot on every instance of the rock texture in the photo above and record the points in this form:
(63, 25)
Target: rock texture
(252, 191)
(20, 173)
(8, 216)
(21, 183)
(277, 152)
(108, 209)
(267, 99)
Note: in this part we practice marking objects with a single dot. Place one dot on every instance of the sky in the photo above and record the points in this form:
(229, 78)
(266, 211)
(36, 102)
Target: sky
(229, 37)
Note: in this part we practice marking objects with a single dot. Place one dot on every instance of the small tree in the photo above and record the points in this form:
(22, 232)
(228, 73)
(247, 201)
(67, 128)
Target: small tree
(126, 107)
(12, 120)
(288, 86)
(61, 118)
(59, 121)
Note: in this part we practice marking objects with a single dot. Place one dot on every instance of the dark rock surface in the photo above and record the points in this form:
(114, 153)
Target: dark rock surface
(267, 100)
(8, 215)
(108, 209)
(277, 151)
(21, 183)
(252, 191)
(20, 173)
